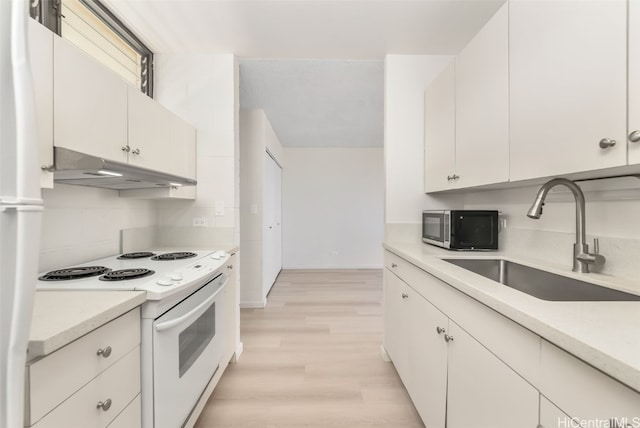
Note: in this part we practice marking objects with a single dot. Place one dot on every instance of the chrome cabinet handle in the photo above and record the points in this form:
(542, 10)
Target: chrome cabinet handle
(440, 330)
(47, 168)
(126, 149)
(136, 151)
(405, 296)
(634, 137)
(104, 352)
(448, 338)
(452, 177)
(104, 405)
(394, 265)
(605, 143)
(230, 267)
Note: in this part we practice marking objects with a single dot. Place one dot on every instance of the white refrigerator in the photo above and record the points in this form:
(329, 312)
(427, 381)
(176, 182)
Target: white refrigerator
(20, 208)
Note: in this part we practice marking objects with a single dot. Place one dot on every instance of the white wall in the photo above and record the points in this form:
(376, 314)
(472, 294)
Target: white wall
(406, 79)
(332, 208)
(81, 224)
(203, 90)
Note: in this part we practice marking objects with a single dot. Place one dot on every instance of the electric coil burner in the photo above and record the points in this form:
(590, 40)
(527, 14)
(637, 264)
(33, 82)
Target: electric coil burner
(125, 274)
(174, 256)
(74, 273)
(136, 255)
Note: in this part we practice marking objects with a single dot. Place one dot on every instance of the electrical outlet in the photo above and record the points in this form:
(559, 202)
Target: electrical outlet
(200, 222)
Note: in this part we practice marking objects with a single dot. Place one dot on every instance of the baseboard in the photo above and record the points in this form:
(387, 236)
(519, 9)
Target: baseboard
(253, 305)
(236, 355)
(308, 267)
(385, 356)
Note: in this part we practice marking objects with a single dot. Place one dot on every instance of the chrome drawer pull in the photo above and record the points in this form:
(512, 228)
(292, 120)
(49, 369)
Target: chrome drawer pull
(393, 265)
(448, 338)
(440, 330)
(105, 352)
(104, 405)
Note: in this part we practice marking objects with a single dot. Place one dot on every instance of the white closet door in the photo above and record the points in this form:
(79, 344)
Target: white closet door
(272, 237)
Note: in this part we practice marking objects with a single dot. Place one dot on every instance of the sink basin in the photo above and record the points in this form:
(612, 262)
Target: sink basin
(541, 284)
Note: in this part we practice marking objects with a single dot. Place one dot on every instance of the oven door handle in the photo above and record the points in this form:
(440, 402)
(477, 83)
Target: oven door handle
(192, 313)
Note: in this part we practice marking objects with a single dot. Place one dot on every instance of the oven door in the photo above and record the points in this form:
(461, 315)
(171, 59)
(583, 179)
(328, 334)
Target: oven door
(187, 349)
(435, 228)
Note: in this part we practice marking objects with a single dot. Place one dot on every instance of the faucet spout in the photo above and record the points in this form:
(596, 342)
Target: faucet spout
(581, 256)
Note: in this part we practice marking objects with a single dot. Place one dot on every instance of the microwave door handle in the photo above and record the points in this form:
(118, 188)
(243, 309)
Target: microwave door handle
(191, 314)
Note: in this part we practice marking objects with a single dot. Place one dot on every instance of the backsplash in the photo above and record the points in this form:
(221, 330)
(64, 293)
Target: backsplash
(82, 223)
(611, 216)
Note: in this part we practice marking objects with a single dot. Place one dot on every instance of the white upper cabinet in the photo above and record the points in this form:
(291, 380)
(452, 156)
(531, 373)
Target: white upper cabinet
(568, 96)
(183, 148)
(90, 101)
(634, 82)
(467, 114)
(41, 57)
(149, 126)
(482, 105)
(440, 131)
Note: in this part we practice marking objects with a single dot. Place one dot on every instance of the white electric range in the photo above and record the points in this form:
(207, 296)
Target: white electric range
(182, 340)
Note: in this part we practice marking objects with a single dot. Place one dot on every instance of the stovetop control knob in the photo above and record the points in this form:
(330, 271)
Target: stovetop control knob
(176, 276)
(165, 280)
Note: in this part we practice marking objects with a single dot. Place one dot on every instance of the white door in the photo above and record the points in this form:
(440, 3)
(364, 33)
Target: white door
(427, 383)
(272, 223)
(568, 65)
(482, 106)
(440, 131)
(90, 104)
(634, 82)
(483, 392)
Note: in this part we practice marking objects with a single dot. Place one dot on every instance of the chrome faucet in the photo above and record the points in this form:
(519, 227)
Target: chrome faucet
(582, 258)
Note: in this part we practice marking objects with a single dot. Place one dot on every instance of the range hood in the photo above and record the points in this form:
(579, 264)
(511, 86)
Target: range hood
(71, 167)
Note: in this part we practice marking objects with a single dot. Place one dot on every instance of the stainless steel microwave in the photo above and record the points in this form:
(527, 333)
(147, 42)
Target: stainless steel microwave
(461, 229)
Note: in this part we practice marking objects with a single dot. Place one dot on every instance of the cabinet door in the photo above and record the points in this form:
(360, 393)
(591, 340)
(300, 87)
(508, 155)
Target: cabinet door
(183, 148)
(41, 57)
(483, 392)
(272, 238)
(482, 106)
(396, 336)
(232, 310)
(149, 126)
(634, 82)
(568, 85)
(551, 416)
(440, 131)
(427, 360)
(90, 104)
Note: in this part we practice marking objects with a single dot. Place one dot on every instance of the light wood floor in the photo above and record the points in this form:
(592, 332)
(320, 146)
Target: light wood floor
(312, 359)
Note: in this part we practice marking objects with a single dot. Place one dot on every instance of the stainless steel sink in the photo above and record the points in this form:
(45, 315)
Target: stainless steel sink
(541, 284)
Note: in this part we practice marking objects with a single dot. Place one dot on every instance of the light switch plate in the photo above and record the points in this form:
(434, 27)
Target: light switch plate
(219, 207)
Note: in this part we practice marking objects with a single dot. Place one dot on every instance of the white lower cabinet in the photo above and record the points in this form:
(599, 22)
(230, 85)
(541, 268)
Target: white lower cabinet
(427, 359)
(483, 392)
(90, 383)
(466, 366)
(551, 416)
(448, 374)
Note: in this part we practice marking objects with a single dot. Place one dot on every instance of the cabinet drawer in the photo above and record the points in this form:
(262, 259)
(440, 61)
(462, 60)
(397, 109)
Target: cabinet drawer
(120, 383)
(55, 377)
(131, 417)
(397, 265)
(584, 392)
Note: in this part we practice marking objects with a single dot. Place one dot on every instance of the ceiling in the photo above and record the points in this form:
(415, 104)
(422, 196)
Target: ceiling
(317, 103)
(315, 66)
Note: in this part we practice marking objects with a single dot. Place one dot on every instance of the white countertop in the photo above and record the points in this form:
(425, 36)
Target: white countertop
(603, 334)
(60, 317)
